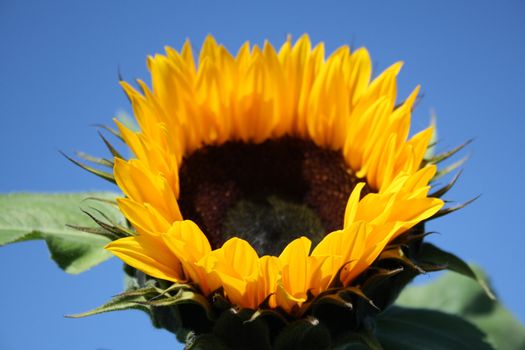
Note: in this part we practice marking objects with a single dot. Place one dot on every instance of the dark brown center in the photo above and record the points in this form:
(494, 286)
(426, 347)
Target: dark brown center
(268, 193)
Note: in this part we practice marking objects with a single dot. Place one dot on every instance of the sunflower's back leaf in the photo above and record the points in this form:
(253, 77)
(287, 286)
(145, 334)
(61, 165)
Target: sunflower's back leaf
(461, 296)
(26, 216)
(103, 174)
(304, 334)
(232, 327)
(414, 329)
(110, 147)
(435, 255)
(450, 210)
(445, 155)
(443, 190)
(450, 168)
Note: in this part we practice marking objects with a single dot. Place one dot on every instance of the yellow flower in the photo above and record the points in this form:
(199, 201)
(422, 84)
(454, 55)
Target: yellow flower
(253, 101)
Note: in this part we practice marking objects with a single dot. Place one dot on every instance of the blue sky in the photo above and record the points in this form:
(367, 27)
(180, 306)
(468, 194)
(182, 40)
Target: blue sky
(59, 75)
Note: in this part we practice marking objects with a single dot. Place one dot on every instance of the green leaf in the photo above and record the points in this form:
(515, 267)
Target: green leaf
(437, 256)
(26, 216)
(461, 296)
(415, 329)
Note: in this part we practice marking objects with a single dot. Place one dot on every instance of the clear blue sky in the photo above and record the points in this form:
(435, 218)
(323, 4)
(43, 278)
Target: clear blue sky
(58, 75)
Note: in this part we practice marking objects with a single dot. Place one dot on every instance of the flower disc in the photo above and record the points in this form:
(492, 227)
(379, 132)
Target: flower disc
(267, 193)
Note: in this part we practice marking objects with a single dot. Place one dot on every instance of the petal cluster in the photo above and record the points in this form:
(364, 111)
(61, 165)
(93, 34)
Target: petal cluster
(256, 95)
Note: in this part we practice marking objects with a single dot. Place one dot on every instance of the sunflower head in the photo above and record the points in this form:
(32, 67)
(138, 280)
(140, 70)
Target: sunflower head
(277, 191)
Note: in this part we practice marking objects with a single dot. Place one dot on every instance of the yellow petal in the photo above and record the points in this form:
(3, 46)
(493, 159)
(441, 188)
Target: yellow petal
(149, 255)
(352, 204)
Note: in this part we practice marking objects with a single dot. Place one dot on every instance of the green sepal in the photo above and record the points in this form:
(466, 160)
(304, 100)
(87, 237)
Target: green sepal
(449, 168)
(238, 330)
(183, 296)
(304, 334)
(450, 210)
(382, 286)
(205, 342)
(100, 173)
(190, 313)
(110, 147)
(443, 190)
(335, 299)
(431, 148)
(270, 315)
(445, 155)
(396, 253)
(346, 292)
(128, 300)
(355, 340)
(113, 229)
(435, 255)
(100, 161)
(112, 131)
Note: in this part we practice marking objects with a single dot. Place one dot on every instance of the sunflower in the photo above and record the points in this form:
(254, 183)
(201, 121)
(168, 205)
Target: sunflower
(269, 177)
